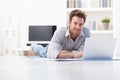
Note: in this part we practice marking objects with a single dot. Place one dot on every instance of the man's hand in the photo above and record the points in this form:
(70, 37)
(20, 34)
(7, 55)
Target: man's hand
(69, 54)
(77, 54)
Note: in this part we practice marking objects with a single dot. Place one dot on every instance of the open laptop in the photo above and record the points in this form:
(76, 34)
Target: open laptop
(99, 48)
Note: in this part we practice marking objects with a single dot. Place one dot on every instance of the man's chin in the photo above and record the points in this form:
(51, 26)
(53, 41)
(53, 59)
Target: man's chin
(77, 33)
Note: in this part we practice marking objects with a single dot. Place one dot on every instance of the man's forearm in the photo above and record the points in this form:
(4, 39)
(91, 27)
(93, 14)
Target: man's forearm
(69, 54)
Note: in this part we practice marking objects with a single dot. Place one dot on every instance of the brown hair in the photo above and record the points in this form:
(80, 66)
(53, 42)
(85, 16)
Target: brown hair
(77, 13)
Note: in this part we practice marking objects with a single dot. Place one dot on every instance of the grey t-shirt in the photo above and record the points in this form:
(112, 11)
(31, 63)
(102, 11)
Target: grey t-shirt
(62, 41)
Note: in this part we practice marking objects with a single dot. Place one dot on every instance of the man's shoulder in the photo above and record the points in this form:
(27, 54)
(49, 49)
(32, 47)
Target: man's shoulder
(85, 29)
(86, 32)
(59, 35)
(61, 31)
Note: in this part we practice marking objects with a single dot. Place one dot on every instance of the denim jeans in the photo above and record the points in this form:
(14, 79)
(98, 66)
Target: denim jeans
(40, 50)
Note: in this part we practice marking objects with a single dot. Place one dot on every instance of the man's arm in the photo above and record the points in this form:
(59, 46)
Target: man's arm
(69, 54)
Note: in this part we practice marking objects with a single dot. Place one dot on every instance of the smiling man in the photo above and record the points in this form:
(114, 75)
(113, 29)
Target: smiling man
(68, 42)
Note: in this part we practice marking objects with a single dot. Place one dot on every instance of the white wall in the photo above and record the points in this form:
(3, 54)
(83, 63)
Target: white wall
(22, 13)
(39, 12)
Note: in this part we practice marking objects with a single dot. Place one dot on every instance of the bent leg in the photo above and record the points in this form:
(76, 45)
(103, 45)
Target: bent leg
(39, 50)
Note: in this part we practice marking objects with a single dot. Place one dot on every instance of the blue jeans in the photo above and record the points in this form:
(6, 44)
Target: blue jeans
(40, 50)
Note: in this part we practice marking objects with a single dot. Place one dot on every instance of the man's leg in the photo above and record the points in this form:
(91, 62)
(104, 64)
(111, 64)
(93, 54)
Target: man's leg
(39, 50)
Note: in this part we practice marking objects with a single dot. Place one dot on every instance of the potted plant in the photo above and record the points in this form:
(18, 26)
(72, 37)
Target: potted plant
(106, 22)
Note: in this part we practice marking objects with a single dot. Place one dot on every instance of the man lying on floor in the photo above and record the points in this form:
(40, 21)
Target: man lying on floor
(66, 40)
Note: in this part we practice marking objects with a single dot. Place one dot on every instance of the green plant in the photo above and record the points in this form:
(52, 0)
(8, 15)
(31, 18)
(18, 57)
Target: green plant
(106, 20)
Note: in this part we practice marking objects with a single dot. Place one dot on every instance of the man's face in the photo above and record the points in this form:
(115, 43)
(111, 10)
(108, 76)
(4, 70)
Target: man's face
(76, 25)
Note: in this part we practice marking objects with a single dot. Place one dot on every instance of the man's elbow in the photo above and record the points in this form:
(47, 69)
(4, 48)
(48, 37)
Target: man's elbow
(51, 55)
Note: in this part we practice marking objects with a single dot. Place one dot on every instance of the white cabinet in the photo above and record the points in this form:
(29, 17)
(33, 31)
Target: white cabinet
(10, 20)
(95, 10)
(10, 34)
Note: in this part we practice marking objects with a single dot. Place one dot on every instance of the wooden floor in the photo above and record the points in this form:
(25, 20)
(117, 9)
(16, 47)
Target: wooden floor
(34, 68)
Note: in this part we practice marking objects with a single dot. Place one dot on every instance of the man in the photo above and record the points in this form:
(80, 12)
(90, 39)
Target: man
(69, 42)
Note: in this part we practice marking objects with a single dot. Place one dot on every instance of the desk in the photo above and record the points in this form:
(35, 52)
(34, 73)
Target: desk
(24, 68)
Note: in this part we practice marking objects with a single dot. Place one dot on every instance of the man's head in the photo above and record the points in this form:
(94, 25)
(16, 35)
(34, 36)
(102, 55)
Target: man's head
(77, 13)
(77, 19)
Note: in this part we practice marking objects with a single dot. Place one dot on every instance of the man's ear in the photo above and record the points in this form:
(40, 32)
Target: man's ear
(68, 23)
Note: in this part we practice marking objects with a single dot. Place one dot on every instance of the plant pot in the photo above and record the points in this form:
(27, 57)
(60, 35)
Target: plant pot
(105, 26)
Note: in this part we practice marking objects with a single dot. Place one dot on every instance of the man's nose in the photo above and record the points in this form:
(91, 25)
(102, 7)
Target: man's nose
(78, 27)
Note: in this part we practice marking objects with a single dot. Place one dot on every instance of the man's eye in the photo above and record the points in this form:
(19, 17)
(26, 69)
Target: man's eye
(80, 25)
(75, 23)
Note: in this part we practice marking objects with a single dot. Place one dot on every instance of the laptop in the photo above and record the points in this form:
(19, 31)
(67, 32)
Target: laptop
(99, 48)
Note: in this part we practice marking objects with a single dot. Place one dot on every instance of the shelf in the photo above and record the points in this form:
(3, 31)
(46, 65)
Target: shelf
(102, 31)
(95, 11)
(92, 9)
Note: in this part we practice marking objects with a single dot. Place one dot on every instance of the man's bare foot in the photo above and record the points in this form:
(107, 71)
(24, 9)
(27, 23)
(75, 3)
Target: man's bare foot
(30, 52)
